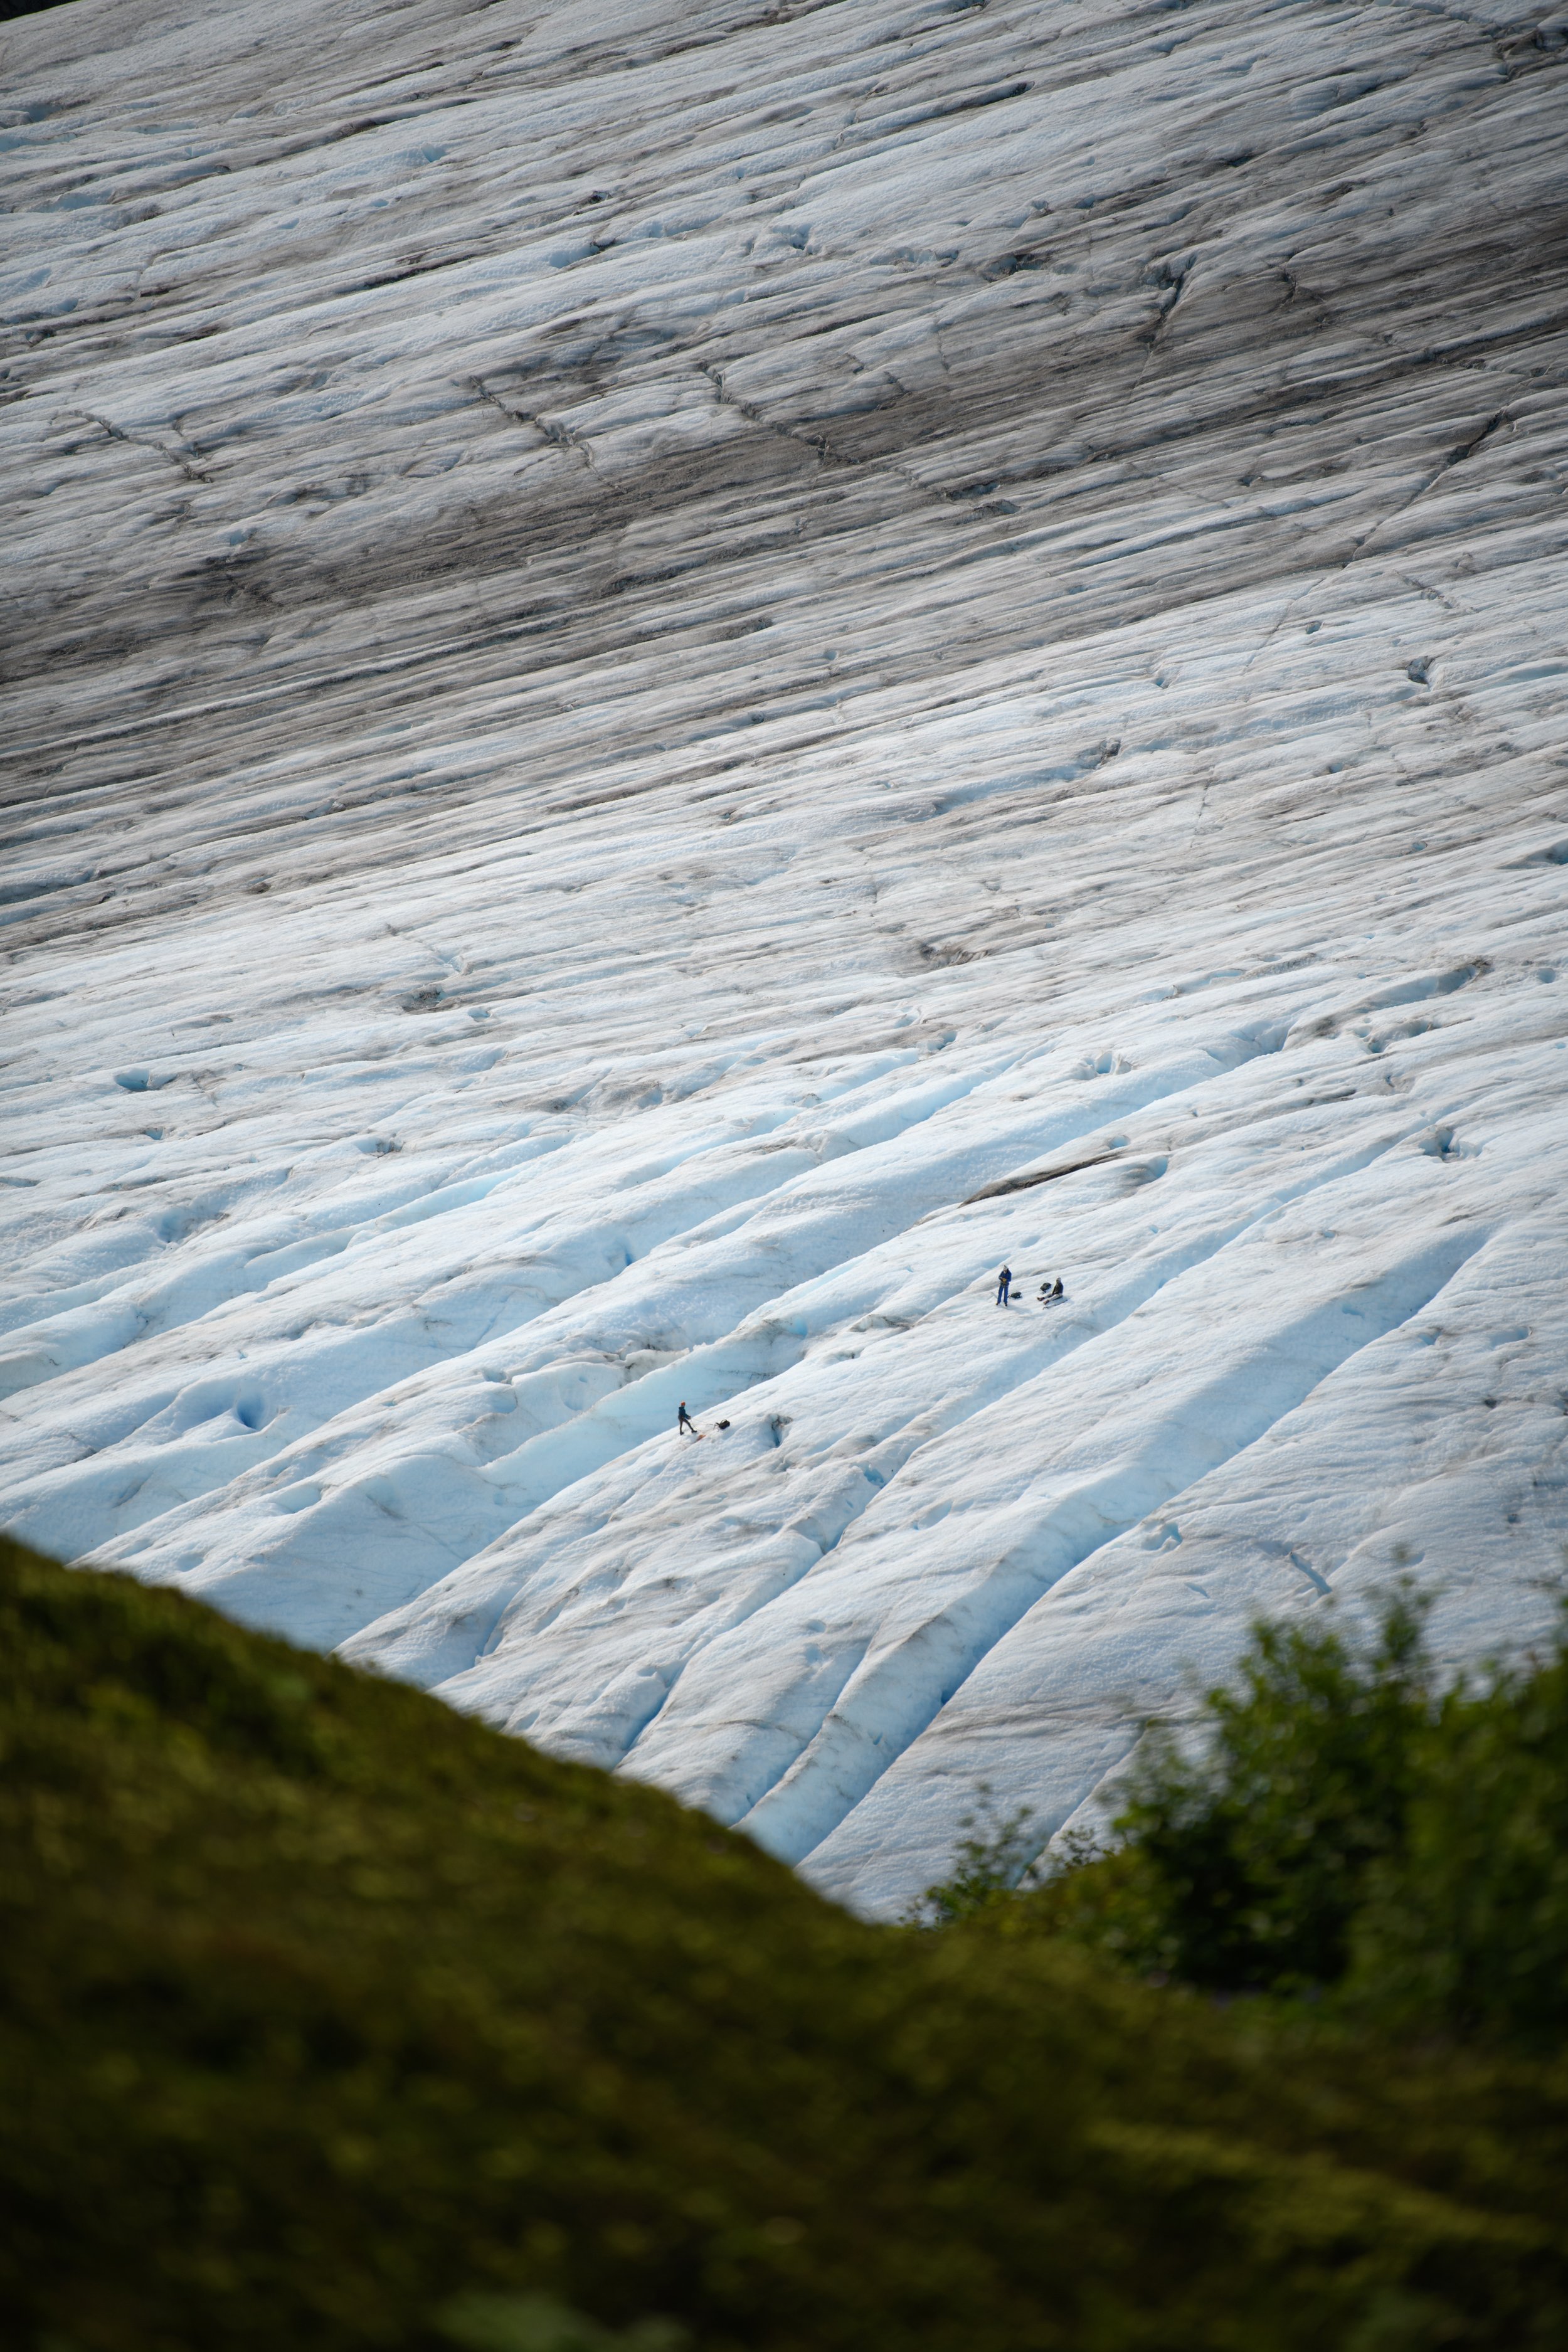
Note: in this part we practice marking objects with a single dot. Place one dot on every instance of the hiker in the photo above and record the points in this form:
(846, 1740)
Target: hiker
(1004, 1287)
(1058, 1291)
(683, 1421)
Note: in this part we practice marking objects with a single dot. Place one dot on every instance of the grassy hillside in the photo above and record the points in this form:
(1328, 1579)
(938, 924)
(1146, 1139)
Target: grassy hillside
(325, 2009)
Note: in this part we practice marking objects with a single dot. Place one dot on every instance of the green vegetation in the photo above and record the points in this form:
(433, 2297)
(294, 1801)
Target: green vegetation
(333, 2020)
(1344, 1829)
(1239, 1868)
(1466, 1924)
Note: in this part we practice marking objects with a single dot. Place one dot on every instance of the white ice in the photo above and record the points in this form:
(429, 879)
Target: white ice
(679, 676)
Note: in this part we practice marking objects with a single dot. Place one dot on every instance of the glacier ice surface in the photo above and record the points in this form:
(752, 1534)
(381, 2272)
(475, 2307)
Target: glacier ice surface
(678, 676)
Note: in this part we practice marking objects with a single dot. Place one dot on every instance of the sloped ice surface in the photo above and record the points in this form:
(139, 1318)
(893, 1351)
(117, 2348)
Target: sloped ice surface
(678, 677)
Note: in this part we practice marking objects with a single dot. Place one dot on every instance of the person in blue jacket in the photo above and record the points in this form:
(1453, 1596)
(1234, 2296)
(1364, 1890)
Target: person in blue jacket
(1004, 1287)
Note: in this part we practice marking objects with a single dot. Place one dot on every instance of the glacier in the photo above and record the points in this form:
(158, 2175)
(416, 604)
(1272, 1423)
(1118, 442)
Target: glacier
(678, 676)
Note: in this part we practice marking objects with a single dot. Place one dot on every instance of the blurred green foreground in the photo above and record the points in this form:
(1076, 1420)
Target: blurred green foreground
(332, 2019)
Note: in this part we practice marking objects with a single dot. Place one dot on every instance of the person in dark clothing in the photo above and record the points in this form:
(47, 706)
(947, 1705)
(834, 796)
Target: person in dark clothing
(1058, 1291)
(683, 1421)
(1004, 1287)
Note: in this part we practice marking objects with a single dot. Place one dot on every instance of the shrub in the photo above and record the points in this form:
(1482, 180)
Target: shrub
(1261, 1846)
(1340, 1827)
(1465, 1923)
(990, 1864)
(1241, 1859)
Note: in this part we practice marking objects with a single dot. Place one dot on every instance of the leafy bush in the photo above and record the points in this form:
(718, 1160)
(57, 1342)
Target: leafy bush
(1465, 1923)
(1340, 1826)
(991, 1863)
(330, 2019)
(1261, 1846)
